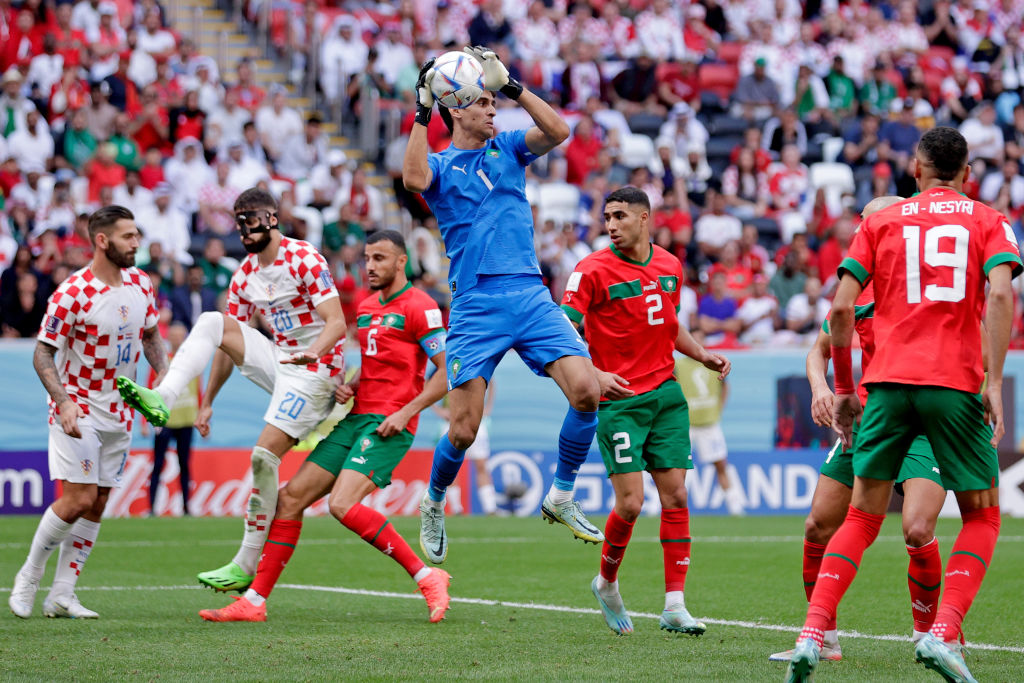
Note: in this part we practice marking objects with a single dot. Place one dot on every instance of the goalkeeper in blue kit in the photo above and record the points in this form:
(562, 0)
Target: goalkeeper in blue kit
(476, 188)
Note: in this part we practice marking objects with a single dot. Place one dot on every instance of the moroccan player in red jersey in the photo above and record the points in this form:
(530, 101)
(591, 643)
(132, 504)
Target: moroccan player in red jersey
(399, 328)
(627, 296)
(929, 258)
(920, 479)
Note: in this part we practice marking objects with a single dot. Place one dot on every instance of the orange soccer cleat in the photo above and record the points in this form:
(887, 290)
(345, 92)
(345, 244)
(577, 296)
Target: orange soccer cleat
(241, 610)
(435, 590)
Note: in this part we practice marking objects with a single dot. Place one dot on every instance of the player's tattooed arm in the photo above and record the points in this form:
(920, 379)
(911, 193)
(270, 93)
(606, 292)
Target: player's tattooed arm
(67, 409)
(155, 351)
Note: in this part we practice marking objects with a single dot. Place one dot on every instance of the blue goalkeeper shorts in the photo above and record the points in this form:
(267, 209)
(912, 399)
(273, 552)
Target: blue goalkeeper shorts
(505, 312)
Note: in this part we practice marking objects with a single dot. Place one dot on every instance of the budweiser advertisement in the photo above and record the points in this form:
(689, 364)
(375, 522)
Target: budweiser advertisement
(221, 482)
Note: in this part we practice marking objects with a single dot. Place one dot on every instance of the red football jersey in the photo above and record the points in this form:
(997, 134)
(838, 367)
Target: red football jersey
(396, 336)
(864, 318)
(929, 257)
(631, 313)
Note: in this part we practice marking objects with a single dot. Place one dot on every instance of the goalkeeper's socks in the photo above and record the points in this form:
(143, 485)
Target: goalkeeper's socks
(965, 570)
(617, 532)
(838, 568)
(675, 547)
(574, 442)
(924, 578)
(447, 461)
(375, 529)
(280, 545)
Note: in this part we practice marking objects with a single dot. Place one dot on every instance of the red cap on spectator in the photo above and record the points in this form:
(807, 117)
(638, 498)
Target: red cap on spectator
(882, 170)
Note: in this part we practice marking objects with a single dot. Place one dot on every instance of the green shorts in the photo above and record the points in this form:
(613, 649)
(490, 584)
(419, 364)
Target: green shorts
(953, 421)
(919, 463)
(354, 445)
(646, 432)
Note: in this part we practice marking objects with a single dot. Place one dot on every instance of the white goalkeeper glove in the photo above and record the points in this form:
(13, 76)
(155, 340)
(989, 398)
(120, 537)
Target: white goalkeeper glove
(496, 76)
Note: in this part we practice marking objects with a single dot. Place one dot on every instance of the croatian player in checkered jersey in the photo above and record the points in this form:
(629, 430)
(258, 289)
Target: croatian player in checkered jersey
(289, 283)
(97, 322)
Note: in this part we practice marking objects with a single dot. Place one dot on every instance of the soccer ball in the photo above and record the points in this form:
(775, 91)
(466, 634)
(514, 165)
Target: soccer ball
(458, 80)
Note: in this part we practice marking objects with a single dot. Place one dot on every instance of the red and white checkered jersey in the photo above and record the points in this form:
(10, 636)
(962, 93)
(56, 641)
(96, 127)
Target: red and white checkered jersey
(286, 293)
(97, 330)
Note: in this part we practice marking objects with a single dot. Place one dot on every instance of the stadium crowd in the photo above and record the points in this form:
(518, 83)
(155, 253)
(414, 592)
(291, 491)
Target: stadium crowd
(758, 129)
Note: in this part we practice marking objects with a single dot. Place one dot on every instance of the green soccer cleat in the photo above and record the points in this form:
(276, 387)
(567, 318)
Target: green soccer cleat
(230, 577)
(613, 610)
(940, 657)
(678, 620)
(144, 400)
(571, 515)
(805, 659)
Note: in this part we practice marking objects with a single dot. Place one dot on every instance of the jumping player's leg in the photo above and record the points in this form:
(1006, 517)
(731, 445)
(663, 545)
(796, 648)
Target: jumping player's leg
(922, 501)
(576, 378)
(309, 484)
(466, 406)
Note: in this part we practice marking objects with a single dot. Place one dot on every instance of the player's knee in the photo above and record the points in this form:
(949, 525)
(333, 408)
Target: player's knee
(918, 531)
(817, 530)
(462, 435)
(338, 507)
(585, 395)
(79, 502)
(629, 506)
(673, 500)
(210, 321)
(289, 504)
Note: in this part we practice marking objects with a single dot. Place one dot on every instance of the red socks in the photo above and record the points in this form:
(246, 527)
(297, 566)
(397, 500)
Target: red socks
(375, 529)
(675, 546)
(924, 578)
(813, 552)
(278, 549)
(616, 537)
(838, 567)
(965, 569)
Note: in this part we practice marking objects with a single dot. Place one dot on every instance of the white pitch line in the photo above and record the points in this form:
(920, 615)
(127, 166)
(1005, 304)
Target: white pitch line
(545, 608)
(509, 540)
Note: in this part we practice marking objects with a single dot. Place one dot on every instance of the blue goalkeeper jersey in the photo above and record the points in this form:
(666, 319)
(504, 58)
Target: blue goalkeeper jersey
(479, 199)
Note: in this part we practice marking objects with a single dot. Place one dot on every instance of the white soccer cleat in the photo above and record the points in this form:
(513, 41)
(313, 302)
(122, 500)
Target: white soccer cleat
(23, 595)
(67, 607)
(830, 652)
(433, 541)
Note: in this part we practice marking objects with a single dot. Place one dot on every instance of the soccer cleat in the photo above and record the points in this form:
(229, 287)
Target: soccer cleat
(67, 606)
(435, 591)
(230, 577)
(803, 662)
(830, 652)
(23, 595)
(240, 610)
(144, 400)
(613, 609)
(678, 620)
(433, 541)
(944, 659)
(571, 515)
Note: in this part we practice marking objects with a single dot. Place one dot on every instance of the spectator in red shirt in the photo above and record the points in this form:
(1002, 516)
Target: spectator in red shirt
(250, 95)
(70, 41)
(152, 172)
(103, 171)
(833, 250)
(581, 152)
(188, 120)
(670, 215)
(752, 141)
(151, 127)
(746, 188)
(738, 278)
(679, 82)
(752, 254)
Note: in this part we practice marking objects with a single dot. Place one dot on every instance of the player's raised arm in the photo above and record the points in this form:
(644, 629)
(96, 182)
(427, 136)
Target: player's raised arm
(416, 173)
(551, 130)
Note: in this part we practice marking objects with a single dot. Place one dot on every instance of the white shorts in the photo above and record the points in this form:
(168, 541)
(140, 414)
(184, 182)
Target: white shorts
(708, 443)
(299, 399)
(97, 458)
(481, 447)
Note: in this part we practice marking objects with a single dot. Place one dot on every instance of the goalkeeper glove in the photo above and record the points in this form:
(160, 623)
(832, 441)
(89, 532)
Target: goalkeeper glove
(496, 76)
(424, 97)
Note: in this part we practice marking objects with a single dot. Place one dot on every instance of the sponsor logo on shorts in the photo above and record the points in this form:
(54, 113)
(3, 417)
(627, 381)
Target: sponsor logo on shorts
(86, 466)
(359, 460)
(52, 324)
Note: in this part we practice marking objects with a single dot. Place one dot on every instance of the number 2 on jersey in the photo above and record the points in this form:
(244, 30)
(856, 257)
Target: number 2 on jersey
(654, 304)
(956, 259)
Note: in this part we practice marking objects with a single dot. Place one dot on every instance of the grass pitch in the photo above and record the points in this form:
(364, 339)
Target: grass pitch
(522, 608)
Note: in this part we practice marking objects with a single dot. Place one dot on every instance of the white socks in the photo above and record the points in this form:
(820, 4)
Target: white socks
(436, 504)
(832, 637)
(52, 530)
(74, 551)
(193, 356)
(423, 573)
(261, 509)
(674, 599)
(254, 597)
(733, 500)
(487, 499)
(558, 496)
